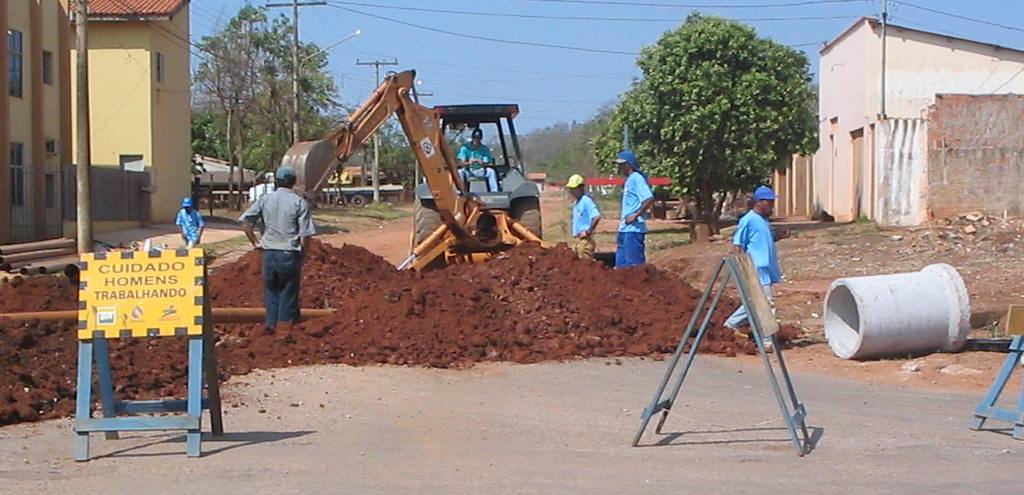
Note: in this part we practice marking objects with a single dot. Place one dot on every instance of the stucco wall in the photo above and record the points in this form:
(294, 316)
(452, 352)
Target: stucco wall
(918, 66)
(842, 108)
(902, 182)
(171, 104)
(976, 154)
(131, 113)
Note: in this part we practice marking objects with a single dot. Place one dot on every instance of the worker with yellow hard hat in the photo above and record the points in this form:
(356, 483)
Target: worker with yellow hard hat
(585, 217)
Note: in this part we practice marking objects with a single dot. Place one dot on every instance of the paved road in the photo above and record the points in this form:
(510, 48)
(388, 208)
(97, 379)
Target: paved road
(548, 428)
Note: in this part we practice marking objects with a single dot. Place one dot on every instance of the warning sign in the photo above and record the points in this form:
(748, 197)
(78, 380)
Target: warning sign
(141, 294)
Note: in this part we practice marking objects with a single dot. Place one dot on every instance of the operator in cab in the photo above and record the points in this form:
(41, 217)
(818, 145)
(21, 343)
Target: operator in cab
(287, 225)
(475, 161)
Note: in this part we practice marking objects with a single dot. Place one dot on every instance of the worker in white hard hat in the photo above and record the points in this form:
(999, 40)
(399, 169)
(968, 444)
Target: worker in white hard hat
(585, 217)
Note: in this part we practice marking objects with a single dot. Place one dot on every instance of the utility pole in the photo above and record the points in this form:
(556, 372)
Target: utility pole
(885, 23)
(376, 139)
(83, 158)
(295, 4)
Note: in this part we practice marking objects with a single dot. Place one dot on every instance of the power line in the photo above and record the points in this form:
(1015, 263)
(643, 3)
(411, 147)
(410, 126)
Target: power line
(624, 3)
(485, 38)
(958, 16)
(662, 20)
(1008, 81)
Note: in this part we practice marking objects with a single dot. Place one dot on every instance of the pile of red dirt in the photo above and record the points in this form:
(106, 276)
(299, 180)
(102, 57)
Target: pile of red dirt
(23, 295)
(528, 305)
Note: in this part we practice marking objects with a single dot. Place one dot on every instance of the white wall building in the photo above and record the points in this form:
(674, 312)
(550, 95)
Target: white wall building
(875, 164)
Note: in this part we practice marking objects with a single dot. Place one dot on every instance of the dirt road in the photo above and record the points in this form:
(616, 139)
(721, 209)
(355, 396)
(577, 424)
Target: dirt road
(549, 428)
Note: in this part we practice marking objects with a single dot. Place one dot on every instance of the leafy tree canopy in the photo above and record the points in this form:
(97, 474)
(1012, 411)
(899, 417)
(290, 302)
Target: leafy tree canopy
(717, 108)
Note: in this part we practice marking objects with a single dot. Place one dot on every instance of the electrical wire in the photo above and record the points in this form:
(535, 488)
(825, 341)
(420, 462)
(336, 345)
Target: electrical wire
(958, 16)
(662, 20)
(485, 38)
(624, 3)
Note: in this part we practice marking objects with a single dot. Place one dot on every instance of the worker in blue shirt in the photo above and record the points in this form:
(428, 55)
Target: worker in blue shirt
(637, 199)
(475, 159)
(191, 224)
(754, 236)
(585, 217)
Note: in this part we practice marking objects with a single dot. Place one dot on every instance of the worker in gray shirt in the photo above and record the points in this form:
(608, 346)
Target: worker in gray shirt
(286, 225)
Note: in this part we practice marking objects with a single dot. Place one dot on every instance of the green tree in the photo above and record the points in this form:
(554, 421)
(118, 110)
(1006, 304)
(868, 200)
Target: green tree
(243, 85)
(716, 109)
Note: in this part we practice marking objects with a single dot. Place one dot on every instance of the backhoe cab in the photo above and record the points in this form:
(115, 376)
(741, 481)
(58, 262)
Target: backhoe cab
(515, 195)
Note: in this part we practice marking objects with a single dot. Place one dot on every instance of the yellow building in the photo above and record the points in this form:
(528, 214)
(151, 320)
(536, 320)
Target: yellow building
(139, 92)
(33, 131)
(139, 115)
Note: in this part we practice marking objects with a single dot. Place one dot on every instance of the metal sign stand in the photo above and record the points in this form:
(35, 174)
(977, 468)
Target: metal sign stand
(762, 323)
(988, 410)
(92, 346)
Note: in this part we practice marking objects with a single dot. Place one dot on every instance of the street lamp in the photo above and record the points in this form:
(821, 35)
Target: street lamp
(332, 45)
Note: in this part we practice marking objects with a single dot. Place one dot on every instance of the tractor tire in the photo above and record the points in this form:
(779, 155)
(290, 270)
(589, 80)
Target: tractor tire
(426, 219)
(527, 212)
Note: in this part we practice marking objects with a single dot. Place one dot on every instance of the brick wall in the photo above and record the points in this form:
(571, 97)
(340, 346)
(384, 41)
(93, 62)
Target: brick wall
(976, 154)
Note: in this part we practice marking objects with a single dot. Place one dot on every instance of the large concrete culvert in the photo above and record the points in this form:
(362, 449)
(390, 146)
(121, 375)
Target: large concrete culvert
(898, 314)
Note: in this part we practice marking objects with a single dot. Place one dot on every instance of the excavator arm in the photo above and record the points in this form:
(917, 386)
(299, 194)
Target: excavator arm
(421, 125)
(315, 161)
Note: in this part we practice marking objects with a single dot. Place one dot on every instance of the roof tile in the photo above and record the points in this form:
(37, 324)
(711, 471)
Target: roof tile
(139, 8)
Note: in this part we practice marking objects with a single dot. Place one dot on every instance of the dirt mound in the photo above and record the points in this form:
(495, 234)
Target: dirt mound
(528, 305)
(52, 293)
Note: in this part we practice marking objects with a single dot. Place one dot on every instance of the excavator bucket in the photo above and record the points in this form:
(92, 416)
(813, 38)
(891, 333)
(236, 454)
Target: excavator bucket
(311, 160)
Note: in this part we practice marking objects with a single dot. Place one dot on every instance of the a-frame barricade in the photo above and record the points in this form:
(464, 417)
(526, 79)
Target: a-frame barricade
(987, 408)
(764, 326)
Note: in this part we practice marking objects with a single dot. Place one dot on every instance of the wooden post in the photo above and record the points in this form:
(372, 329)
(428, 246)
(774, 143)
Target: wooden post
(83, 160)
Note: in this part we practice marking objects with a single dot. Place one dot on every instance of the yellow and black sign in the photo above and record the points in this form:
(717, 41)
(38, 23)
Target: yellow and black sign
(141, 294)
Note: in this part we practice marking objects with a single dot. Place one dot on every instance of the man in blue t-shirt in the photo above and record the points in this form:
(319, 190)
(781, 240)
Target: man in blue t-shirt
(191, 224)
(475, 159)
(637, 199)
(585, 217)
(754, 236)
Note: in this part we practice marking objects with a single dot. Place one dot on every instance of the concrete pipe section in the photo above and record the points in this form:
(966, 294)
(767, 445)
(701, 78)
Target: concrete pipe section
(898, 314)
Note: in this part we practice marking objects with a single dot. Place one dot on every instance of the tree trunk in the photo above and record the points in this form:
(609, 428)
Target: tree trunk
(719, 204)
(704, 222)
(231, 160)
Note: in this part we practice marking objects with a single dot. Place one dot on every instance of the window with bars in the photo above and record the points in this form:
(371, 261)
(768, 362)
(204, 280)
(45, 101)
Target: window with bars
(15, 62)
(17, 174)
(47, 67)
(50, 190)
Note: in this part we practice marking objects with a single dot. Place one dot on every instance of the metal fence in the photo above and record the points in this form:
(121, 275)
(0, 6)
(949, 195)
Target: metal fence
(117, 195)
(35, 202)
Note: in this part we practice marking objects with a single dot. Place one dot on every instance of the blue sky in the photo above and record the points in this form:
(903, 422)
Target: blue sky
(553, 85)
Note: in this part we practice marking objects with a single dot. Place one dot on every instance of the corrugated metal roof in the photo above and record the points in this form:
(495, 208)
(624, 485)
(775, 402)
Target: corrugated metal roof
(134, 8)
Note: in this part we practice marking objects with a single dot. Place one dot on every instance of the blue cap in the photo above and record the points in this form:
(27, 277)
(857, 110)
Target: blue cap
(186, 203)
(285, 173)
(627, 157)
(764, 193)
(478, 133)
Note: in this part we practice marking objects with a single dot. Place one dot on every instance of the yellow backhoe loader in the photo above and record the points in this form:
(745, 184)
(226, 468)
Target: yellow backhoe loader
(456, 221)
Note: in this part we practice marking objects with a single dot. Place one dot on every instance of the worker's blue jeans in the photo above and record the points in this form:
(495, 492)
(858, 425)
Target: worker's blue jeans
(282, 272)
(630, 251)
